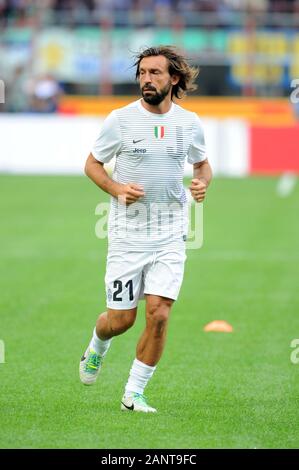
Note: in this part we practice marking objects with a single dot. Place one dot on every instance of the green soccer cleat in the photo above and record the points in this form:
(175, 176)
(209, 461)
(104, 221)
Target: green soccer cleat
(90, 366)
(136, 402)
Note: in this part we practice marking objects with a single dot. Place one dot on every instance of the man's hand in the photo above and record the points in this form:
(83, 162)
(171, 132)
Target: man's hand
(198, 189)
(126, 193)
(130, 193)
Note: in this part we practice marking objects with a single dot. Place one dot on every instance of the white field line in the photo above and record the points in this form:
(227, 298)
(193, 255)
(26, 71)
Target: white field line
(249, 256)
(215, 256)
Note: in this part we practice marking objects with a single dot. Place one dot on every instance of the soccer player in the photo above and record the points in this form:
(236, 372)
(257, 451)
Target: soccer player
(150, 138)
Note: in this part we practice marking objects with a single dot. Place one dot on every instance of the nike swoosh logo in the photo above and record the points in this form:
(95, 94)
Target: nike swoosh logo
(129, 407)
(136, 141)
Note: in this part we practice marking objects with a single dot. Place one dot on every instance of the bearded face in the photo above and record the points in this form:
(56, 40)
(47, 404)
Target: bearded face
(153, 96)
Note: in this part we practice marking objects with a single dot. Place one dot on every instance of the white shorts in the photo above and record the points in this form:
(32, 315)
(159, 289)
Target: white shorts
(130, 275)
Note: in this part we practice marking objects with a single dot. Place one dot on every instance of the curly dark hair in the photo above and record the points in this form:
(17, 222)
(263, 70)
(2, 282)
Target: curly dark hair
(177, 66)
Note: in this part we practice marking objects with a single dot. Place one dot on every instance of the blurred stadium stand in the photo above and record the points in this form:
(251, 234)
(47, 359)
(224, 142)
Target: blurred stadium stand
(74, 58)
(217, 13)
(244, 47)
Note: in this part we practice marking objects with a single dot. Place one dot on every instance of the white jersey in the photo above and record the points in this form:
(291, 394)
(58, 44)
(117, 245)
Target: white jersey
(150, 150)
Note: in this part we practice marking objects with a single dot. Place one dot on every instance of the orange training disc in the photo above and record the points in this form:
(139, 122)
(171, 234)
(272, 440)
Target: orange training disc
(219, 325)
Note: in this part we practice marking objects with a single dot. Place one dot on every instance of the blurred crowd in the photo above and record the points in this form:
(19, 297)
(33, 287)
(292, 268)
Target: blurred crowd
(30, 93)
(25, 93)
(121, 11)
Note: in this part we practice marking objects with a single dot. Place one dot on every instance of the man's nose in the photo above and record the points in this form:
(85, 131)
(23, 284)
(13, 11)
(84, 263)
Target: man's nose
(147, 78)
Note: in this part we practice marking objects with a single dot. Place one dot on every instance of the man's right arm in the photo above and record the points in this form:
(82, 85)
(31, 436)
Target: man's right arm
(96, 172)
(126, 193)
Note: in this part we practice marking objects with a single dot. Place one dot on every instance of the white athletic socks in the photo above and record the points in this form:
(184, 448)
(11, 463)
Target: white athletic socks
(140, 374)
(100, 346)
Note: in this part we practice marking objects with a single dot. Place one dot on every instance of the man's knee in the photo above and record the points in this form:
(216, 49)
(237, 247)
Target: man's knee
(157, 314)
(121, 320)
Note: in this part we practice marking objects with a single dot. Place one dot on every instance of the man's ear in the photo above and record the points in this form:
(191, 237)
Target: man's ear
(175, 79)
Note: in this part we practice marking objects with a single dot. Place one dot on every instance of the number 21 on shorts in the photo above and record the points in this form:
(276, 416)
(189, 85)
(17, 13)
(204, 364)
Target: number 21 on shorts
(118, 289)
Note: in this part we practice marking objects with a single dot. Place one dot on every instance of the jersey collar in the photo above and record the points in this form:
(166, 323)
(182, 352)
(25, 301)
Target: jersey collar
(154, 115)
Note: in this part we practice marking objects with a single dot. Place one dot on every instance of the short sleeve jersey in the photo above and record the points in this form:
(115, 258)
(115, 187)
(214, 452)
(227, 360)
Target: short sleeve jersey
(150, 150)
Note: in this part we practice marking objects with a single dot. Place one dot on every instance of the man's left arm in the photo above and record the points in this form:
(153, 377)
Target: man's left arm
(202, 175)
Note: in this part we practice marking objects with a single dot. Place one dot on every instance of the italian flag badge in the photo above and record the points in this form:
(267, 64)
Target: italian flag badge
(159, 132)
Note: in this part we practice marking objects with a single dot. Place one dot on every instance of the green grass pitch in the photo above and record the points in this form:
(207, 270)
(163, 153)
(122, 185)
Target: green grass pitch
(212, 390)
